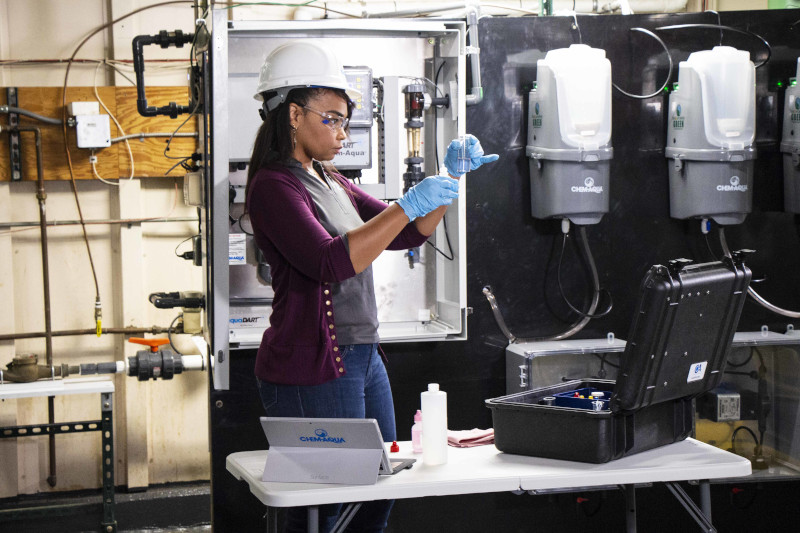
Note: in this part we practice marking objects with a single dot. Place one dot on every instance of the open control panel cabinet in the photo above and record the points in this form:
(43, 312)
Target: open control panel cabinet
(421, 293)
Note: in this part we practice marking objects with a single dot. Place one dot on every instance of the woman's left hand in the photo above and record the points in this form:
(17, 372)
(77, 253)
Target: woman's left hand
(474, 151)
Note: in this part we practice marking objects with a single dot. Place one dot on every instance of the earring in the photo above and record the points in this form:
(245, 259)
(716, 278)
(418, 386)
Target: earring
(294, 135)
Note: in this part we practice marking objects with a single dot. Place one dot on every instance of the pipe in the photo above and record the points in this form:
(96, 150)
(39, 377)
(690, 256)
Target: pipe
(93, 331)
(164, 39)
(142, 136)
(388, 9)
(106, 221)
(42, 196)
(753, 294)
(476, 95)
(31, 114)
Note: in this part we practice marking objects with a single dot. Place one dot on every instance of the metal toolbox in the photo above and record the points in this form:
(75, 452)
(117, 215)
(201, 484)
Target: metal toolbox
(676, 350)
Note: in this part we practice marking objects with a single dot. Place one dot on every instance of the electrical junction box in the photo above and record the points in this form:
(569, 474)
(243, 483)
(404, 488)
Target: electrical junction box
(721, 404)
(93, 131)
(569, 135)
(710, 136)
(790, 146)
(83, 108)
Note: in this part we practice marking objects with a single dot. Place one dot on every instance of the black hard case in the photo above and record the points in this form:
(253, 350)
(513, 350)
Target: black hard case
(687, 315)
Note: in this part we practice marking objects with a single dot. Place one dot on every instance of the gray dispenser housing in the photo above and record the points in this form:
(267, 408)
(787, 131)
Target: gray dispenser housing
(569, 134)
(710, 137)
(790, 146)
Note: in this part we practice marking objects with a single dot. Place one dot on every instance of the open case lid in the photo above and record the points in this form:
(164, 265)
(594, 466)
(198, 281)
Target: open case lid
(682, 331)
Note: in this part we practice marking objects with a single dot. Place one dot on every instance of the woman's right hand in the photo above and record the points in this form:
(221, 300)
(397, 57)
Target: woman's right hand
(427, 195)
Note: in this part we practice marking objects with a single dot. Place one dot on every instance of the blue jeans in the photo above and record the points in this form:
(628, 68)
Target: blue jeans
(363, 392)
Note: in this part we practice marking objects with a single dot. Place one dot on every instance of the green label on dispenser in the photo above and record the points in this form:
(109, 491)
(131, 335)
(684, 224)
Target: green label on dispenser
(537, 118)
(677, 123)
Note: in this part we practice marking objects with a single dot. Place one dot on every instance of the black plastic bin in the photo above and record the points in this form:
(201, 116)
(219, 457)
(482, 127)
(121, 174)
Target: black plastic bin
(679, 340)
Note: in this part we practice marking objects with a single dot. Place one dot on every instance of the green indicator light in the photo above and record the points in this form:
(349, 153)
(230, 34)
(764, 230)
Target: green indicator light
(780, 84)
(793, 82)
(674, 86)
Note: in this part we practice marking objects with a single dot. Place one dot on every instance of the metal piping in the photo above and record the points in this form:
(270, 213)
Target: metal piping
(155, 330)
(388, 9)
(42, 196)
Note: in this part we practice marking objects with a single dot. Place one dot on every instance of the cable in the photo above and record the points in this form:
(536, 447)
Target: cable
(669, 74)
(753, 294)
(574, 327)
(98, 306)
(561, 287)
(748, 430)
(728, 28)
(119, 127)
(24, 112)
(169, 334)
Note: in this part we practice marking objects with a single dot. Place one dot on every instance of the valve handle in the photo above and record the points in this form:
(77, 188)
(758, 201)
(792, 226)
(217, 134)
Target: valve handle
(152, 343)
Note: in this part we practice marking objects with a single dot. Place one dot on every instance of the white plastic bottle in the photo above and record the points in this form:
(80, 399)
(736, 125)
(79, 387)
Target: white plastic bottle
(416, 433)
(434, 425)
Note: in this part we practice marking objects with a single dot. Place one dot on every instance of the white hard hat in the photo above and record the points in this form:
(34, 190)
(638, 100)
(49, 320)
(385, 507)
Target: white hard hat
(300, 64)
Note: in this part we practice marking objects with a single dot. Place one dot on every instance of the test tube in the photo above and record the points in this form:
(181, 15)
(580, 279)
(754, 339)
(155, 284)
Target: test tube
(463, 155)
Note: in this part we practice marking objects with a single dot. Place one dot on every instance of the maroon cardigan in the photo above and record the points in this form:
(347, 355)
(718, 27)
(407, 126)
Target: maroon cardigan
(300, 346)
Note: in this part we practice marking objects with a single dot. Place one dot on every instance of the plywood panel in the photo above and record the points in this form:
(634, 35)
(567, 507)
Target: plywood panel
(112, 162)
(148, 153)
(47, 101)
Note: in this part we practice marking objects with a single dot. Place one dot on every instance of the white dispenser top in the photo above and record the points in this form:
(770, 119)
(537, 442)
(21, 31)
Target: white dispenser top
(727, 81)
(433, 387)
(583, 84)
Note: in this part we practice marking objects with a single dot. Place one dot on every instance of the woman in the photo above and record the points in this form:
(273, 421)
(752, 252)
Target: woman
(320, 235)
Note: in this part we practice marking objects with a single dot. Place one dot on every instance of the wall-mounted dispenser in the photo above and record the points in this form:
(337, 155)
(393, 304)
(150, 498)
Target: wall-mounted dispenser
(710, 136)
(569, 135)
(790, 146)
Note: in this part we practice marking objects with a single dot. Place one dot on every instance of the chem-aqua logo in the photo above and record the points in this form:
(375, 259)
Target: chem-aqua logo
(797, 103)
(678, 110)
(698, 368)
(588, 186)
(734, 186)
(321, 435)
(536, 107)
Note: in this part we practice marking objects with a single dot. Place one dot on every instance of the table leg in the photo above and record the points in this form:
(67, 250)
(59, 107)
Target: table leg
(272, 519)
(313, 519)
(702, 520)
(345, 517)
(630, 508)
(705, 498)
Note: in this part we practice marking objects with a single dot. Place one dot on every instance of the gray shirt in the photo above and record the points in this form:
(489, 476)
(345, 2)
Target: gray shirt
(356, 313)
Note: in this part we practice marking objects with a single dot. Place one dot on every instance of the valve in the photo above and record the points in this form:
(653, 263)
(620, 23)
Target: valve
(154, 363)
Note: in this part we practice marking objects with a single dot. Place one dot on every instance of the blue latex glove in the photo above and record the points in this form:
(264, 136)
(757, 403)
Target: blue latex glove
(474, 153)
(427, 195)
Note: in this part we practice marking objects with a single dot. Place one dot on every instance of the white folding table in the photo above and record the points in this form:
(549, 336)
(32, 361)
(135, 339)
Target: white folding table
(485, 469)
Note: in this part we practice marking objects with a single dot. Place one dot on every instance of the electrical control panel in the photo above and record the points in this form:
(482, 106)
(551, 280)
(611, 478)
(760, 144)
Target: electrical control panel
(421, 293)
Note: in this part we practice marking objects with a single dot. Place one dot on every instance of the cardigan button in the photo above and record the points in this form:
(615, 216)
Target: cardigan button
(330, 313)
(327, 291)
(330, 326)
(341, 369)
(338, 359)
(327, 302)
(333, 337)
(335, 348)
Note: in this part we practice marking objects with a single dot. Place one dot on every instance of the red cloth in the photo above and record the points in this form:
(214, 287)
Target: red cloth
(470, 437)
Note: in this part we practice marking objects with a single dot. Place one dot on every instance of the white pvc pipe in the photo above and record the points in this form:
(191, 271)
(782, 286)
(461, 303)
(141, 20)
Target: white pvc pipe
(493, 7)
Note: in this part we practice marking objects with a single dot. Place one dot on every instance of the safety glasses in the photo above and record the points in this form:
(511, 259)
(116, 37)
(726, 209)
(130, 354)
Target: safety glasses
(333, 122)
